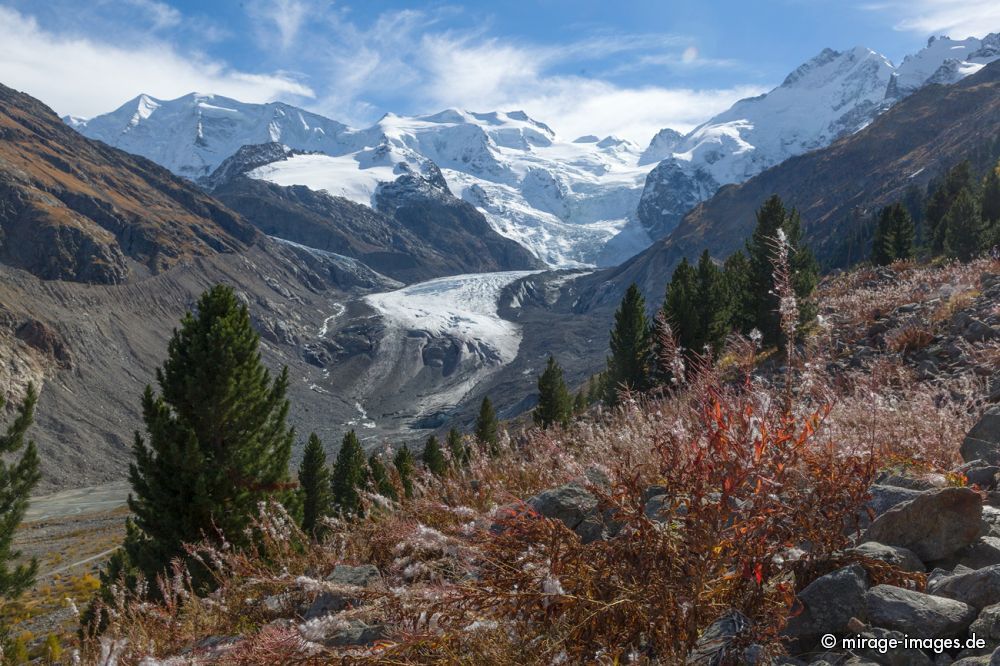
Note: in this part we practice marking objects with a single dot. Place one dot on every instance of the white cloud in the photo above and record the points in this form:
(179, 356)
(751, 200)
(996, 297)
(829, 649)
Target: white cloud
(287, 16)
(85, 77)
(403, 54)
(956, 18)
(491, 75)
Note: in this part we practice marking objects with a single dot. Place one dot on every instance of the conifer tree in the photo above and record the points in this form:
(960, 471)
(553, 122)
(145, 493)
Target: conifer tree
(217, 440)
(991, 197)
(459, 452)
(487, 428)
(681, 308)
(894, 235)
(348, 478)
(631, 346)
(771, 217)
(940, 202)
(963, 224)
(555, 406)
(433, 457)
(595, 388)
(580, 402)
(380, 478)
(737, 280)
(711, 304)
(403, 461)
(314, 485)
(18, 477)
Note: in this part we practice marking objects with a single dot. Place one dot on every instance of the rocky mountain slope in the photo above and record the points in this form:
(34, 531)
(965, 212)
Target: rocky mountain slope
(916, 140)
(563, 200)
(101, 253)
(74, 209)
(417, 231)
(832, 95)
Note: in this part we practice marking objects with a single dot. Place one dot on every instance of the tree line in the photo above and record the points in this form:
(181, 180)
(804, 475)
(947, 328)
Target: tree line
(958, 217)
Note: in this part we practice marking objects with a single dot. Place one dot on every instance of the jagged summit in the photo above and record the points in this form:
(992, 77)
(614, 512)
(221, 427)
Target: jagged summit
(831, 95)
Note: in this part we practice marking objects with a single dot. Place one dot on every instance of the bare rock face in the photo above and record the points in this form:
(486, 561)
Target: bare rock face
(47, 341)
(934, 525)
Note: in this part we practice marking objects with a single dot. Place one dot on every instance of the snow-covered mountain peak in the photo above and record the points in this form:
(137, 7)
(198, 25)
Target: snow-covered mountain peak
(830, 95)
(193, 134)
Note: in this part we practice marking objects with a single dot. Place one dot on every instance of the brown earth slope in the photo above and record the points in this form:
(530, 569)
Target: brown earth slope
(76, 209)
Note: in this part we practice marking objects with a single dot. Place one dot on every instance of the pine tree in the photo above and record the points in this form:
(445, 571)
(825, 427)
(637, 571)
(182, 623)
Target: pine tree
(737, 281)
(348, 478)
(314, 485)
(894, 235)
(381, 483)
(991, 197)
(771, 217)
(631, 346)
(711, 304)
(963, 224)
(940, 202)
(459, 452)
(555, 406)
(433, 457)
(217, 439)
(580, 402)
(18, 477)
(403, 461)
(681, 309)
(487, 428)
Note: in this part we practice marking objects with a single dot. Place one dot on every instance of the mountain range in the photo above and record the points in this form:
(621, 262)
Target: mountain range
(579, 202)
(406, 270)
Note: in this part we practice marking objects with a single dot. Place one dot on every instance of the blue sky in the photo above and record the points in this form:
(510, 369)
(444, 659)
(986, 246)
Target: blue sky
(587, 66)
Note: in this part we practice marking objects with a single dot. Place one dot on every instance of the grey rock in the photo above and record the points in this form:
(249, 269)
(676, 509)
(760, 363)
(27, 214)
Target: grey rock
(991, 521)
(916, 613)
(365, 575)
(715, 643)
(985, 476)
(898, 657)
(983, 553)
(829, 603)
(325, 603)
(570, 503)
(983, 441)
(895, 555)
(978, 588)
(933, 525)
(355, 632)
(987, 625)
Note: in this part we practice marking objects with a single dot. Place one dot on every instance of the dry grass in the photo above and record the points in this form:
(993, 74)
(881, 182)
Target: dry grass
(764, 477)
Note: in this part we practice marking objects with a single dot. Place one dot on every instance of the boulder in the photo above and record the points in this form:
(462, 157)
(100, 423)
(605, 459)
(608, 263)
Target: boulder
(884, 498)
(916, 613)
(983, 441)
(828, 604)
(715, 645)
(984, 476)
(570, 503)
(365, 575)
(898, 657)
(991, 521)
(899, 557)
(934, 525)
(979, 588)
(983, 553)
(987, 625)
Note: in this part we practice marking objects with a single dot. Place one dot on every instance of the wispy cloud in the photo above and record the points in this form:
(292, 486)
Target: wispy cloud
(279, 21)
(407, 61)
(408, 54)
(955, 18)
(85, 77)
